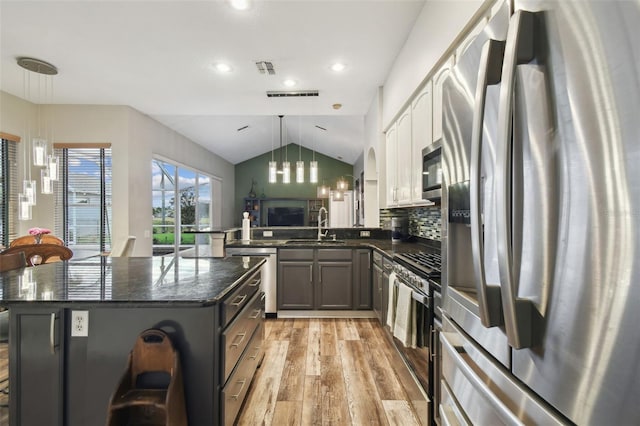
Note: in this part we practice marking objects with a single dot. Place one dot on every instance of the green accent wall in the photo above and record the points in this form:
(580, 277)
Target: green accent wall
(257, 168)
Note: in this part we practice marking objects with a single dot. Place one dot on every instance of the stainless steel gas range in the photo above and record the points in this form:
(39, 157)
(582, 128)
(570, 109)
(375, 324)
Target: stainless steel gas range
(420, 271)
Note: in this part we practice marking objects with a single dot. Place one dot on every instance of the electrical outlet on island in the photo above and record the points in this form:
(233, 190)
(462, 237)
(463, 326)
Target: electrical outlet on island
(79, 323)
(365, 233)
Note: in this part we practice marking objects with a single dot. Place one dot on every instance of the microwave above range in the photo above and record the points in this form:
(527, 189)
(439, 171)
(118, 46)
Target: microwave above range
(432, 172)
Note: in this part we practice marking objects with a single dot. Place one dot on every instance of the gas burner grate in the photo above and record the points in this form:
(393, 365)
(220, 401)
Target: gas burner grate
(427, 264)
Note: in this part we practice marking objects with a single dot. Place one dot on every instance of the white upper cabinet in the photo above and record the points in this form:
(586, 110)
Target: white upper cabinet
(421, 137)
(391, 158)
(403, 162)
(438, 80)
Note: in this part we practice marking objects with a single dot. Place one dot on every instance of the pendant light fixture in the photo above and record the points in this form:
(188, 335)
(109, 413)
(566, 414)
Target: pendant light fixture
(299, 163)
(313, 164)
(285, 171)
(273, 166)
(43, 129)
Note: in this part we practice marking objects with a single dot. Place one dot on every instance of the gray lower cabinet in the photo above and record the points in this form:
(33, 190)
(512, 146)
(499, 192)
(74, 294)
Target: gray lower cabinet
(382, 267)
(326, 278)
(334, 289)
(362, 284)
(377, 291)
(37, 399)
(295, 290)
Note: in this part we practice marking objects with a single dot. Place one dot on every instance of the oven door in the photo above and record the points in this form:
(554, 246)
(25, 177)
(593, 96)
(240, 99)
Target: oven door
(417, 355)
(432, 172)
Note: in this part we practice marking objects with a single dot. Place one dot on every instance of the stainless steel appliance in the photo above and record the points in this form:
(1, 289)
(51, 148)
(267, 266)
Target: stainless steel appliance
(269, 273)
(432, 172)
(399, 229)
(542, 195)
(421, 272)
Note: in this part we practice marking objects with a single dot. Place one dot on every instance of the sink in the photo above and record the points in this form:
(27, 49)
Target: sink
(314, 242)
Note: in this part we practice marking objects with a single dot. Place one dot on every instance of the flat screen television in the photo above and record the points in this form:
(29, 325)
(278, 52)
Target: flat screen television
(285, 216)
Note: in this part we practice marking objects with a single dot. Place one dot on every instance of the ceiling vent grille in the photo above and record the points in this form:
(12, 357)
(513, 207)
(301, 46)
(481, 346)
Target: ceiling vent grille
(265, 66)
(277, 94)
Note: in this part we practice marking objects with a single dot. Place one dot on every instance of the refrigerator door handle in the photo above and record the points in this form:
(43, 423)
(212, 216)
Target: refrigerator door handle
(519, 313)
(489, 73)
(454, 352)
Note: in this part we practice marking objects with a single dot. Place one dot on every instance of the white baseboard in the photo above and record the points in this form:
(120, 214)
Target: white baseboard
(326, 314)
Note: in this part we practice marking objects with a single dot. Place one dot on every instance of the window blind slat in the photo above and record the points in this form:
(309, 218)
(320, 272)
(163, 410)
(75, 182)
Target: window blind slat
(83, 198)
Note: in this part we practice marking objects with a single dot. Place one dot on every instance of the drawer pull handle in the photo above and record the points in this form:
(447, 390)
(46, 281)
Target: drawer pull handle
(236, 344)
(255, 283)
(254, 356)
(256, 314)
(239, 300)
(241, 383)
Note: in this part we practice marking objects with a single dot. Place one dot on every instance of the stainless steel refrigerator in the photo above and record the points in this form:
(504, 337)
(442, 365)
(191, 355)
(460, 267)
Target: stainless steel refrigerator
(541, 218)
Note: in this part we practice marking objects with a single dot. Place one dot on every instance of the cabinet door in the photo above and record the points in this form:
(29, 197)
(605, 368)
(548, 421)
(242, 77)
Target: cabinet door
(295, 285)
(334, 285)
(377, 291)
(421, 136)
(438, 80)
(391, 158)
(362, 279)
(36, 358)
(403, 162)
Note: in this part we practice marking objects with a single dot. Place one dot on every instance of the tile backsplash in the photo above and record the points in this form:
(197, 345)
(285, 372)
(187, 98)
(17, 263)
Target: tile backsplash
(424, 222)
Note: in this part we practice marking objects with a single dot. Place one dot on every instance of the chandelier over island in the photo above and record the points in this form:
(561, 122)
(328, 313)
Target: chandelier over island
(38, 134)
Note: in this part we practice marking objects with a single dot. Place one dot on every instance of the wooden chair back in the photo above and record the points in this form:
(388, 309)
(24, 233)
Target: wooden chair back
(37, 254)
(12, 261)
(30, 239)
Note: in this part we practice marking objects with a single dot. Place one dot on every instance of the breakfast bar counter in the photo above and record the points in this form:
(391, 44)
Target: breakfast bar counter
(73, 325)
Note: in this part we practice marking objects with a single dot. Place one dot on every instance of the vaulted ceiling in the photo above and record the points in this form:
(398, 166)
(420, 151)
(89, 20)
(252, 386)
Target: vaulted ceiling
(158, 57)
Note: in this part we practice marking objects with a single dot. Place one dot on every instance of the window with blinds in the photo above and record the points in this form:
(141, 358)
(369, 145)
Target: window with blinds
(83, 198)
(8, 191)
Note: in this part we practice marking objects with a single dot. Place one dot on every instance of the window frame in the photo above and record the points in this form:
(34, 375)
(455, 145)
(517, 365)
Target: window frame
(215, 199)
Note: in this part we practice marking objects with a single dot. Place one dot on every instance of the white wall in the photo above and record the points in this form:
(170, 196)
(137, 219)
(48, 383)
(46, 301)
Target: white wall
(374, 172)
(438, 24)
(135, 138)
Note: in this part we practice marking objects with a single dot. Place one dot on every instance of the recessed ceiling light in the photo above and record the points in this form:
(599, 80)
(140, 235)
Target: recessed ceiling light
(338, 67)
(337, 106)
(221, 67)
(240, 4)
(289, 82)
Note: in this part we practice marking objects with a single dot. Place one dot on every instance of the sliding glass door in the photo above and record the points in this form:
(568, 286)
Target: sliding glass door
(181, 205)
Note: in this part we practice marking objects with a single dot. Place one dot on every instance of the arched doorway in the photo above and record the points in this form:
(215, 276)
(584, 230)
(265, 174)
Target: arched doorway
(371, 204)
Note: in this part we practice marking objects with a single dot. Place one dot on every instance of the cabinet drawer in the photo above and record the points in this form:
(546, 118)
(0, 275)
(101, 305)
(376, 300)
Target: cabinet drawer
(236, 337)
(239, 298)
(295, 254)
(334, 254)
(234, 392)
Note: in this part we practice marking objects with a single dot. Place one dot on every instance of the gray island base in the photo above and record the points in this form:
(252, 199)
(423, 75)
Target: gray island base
(73, 324)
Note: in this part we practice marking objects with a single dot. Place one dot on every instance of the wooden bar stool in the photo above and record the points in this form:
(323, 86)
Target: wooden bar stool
(151, 391)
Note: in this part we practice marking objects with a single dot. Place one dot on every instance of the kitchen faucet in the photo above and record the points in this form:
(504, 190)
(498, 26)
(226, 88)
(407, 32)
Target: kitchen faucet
(326, 222)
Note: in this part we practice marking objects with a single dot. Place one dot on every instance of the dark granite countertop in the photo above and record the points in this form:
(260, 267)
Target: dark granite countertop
(386, 247)
(138, 281)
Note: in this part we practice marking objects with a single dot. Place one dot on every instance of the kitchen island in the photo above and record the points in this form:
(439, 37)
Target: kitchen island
(73, 324)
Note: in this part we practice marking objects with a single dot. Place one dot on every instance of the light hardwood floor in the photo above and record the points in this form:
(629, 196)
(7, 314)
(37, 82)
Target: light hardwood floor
(331, 372)
(322, 372)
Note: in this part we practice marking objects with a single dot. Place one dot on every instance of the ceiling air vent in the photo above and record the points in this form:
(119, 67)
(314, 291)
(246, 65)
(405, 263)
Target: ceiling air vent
(265, 66)
(276, 94)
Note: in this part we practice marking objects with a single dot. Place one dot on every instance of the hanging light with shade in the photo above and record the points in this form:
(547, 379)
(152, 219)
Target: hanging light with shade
(299, 163)
(341, 186)
(43, 129)
(273, 165)
(313, 164)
